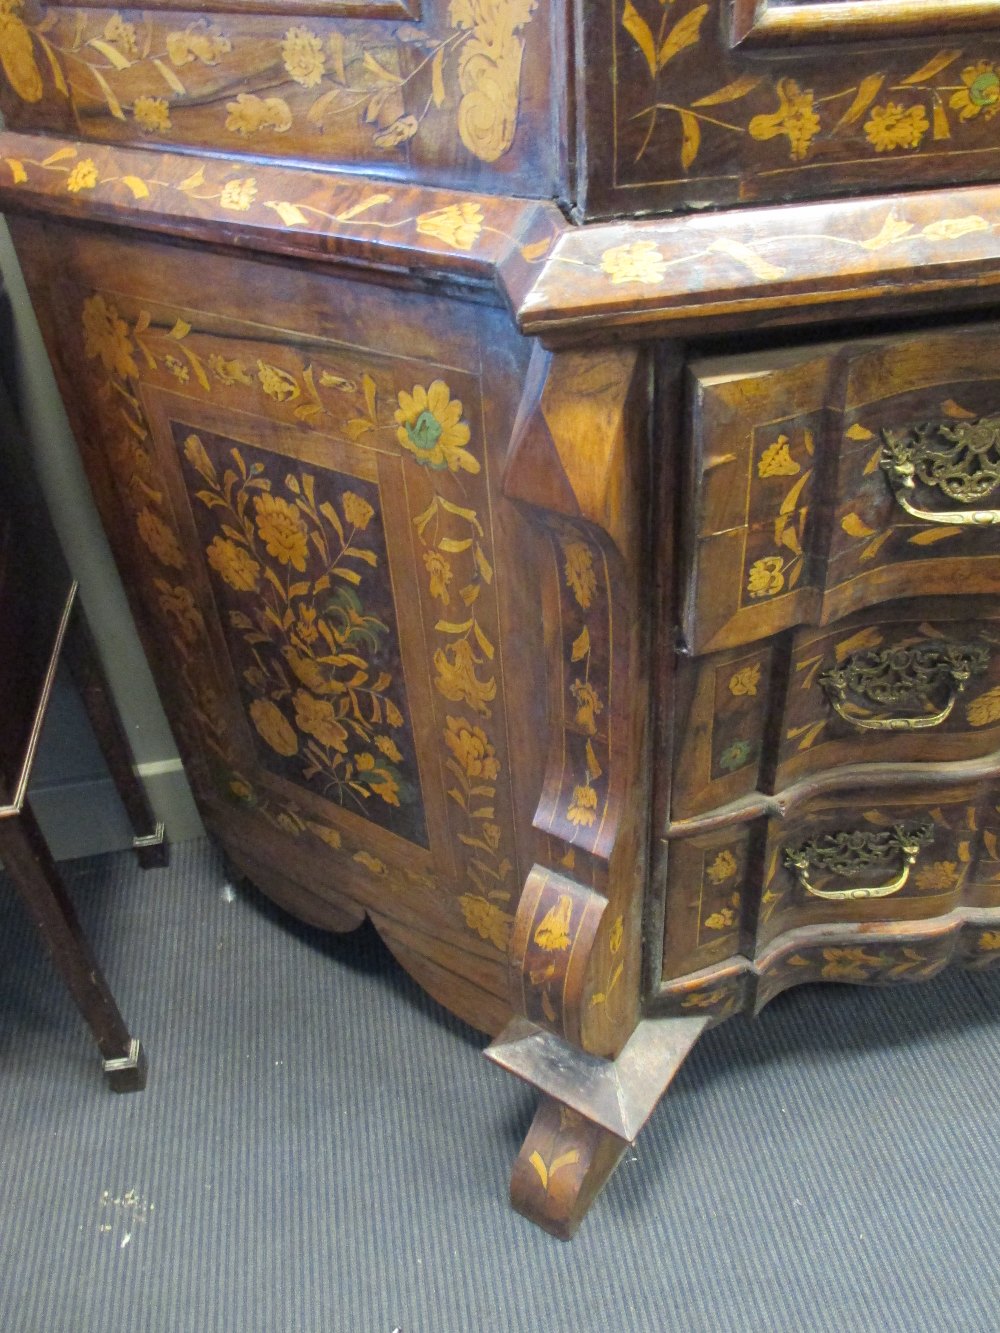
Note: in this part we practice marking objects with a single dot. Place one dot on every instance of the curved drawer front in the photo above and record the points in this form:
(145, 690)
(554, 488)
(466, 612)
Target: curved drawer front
(911, 682)
(888, 859)
(885, 857)
(829, 479)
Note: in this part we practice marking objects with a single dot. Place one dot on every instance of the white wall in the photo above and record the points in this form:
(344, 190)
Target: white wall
(68, 495)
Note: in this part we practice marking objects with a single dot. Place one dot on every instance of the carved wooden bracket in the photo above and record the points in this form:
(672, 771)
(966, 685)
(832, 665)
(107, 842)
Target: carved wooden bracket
(577, 457)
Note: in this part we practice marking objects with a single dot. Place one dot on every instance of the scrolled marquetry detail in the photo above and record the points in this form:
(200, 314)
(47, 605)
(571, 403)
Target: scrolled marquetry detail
(856, 852)
(550, 952)
(903, 678)
(961, 459)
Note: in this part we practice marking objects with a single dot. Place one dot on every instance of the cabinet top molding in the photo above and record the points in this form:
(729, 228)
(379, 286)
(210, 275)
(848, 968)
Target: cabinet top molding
(770, 25)
(564, 283)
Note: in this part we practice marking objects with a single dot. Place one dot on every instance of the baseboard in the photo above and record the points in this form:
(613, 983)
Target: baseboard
(86, 818)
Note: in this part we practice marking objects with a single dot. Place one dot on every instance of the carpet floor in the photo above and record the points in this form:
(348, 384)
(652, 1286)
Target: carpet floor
(322, 1148)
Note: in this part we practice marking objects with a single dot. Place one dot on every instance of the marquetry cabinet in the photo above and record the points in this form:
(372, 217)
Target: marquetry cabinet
(588, 577)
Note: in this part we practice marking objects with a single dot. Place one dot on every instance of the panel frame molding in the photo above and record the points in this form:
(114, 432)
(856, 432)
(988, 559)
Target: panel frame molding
(768, 26)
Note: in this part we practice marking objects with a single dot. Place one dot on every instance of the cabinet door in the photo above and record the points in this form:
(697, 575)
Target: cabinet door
(727, 101)
(296, 472)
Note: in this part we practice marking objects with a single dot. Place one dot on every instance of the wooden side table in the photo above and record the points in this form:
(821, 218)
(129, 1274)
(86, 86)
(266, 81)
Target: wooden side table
(41, 621)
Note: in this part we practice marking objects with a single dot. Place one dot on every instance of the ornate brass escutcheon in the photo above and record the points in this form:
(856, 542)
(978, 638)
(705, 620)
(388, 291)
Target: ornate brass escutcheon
(908, 678)
(855, 853)
(959, 458)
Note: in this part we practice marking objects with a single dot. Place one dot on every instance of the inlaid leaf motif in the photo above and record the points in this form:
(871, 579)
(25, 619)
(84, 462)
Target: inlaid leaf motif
(684, 33)
(638, 29)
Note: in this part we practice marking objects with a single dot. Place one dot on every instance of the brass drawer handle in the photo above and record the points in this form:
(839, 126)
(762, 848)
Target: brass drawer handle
(855, 853)
(903, 678)
(959, 458)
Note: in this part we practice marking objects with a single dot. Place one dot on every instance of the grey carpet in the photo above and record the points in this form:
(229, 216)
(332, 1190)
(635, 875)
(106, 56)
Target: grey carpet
(321, 1148)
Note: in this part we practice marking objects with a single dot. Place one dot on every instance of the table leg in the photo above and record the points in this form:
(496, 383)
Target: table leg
(34, 874)
(81, 656)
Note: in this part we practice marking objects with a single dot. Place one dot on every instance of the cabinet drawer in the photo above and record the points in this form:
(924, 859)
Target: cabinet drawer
(911, 682)
(828, 479)
(735, 890)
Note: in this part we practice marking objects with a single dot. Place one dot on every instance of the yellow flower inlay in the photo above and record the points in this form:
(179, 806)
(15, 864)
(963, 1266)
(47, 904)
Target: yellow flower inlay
(777, 461)
(82, 177)
(302, 52)
(430, 427)
(766, 576)
(588, 705)
(457, 225)
(472, 749)
(456, 677)
(199, 41)
(795, 118)
(159, 539)
(487, 920)
(640, 261)
(250, 114)
(282, 530)
(317, 717)
(981, 94)
(440, 575)
(721, 920)
(357, 511)
(722, 868)
(277, 383)
(583, 807)
(152, 114)
(239, 194)
(746, 680)
(107, 336)
(552, 932)
(274, 727)
(179, 604)
(895, 126)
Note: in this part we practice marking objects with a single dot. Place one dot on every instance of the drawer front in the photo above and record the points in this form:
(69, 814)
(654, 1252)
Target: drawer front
(828, 480)
(911, 682)
(711, 102)
(890, 857)
(941, 849)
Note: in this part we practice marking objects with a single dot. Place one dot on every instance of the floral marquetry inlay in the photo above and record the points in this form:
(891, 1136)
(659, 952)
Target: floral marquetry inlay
(297, 560)
(691, 105)
(366, 88)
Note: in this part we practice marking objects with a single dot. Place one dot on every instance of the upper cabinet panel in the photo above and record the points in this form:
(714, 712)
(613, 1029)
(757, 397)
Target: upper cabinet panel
(715, 102)
(449, 92)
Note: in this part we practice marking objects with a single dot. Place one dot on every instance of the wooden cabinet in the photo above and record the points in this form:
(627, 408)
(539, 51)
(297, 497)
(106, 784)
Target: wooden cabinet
(606, 609)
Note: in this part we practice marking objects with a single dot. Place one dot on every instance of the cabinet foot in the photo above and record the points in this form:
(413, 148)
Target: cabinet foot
(562, 1167)
(591, 1110)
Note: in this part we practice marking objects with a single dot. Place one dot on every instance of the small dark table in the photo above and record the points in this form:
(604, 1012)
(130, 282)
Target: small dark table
(41, 621)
